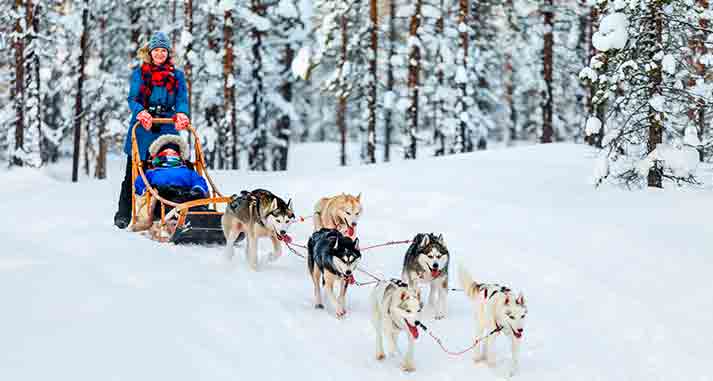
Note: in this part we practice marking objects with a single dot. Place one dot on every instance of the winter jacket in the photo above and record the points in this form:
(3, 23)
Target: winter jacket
(173, 176)
(175, 103)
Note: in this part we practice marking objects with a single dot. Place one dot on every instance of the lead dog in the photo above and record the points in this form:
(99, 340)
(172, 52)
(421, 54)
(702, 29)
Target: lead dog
(256, 214)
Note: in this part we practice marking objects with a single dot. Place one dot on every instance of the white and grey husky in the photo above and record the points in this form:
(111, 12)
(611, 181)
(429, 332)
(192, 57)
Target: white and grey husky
(395, 308)
(499, 311)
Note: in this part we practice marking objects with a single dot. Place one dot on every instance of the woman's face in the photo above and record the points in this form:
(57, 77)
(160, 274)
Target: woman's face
(159, 55)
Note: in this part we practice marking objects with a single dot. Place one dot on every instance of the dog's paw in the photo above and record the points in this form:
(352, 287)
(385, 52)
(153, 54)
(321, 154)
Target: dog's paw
(478, 359)
(319, 306)
(407, 367)
(380, 356)
(440, 316)
(341, 312)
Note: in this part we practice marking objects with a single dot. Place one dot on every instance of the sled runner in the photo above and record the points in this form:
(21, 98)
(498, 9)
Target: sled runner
(190, 222)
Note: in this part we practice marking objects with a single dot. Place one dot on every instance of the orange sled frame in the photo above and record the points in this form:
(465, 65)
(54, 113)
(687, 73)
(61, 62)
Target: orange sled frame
(176, 226)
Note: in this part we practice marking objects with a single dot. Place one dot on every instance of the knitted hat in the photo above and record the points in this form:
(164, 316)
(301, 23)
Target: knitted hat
(169, 141)
(159, 40)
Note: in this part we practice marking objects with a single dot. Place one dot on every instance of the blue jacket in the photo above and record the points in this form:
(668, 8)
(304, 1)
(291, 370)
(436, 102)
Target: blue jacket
(176, 102)
(176, 176)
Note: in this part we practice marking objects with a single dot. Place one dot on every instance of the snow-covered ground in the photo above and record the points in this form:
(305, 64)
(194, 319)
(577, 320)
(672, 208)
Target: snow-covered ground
(617, 283)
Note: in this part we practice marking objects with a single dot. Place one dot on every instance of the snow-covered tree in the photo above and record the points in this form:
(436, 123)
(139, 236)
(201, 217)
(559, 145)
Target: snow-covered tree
(638, 72)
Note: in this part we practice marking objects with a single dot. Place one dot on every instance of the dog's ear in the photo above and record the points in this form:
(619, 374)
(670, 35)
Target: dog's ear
(425, 240)
(440, 238)
(359, 197)
(273, 205)
(289, 204)
(520, 299)
(507, 300)
(233, 201)
(403, 295)
(336, 244)
(356, 244)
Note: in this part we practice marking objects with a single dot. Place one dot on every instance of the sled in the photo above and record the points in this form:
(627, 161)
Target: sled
(192, 222)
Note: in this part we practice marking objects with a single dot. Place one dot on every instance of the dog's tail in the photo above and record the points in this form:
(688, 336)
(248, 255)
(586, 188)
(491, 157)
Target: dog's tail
(470, 286)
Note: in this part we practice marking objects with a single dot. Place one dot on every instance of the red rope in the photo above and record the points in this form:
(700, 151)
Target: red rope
(390, 243)
(475, 343)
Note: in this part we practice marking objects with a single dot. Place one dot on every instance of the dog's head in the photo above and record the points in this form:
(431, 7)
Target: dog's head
(350, 210)
(346, 255)
(512, 315)
(279, 217)
(433, 254)
(406, 309)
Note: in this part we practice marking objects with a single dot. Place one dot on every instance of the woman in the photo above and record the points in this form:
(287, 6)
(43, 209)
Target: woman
(157, 90)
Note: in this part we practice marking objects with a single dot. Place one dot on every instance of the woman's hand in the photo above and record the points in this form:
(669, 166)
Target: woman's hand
(182, 121)
(145, 119)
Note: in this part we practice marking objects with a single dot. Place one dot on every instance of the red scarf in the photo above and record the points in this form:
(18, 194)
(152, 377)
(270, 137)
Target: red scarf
(156, 75)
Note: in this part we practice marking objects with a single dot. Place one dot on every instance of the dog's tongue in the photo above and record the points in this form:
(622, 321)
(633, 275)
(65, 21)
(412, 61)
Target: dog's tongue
(413, 329)
(285, 238)
(350, 231)
(350, 279)
(435, 273)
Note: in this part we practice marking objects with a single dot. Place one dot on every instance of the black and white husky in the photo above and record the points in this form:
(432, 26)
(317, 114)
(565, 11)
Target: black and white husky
(426, 261)
(332, 259)
(395, 308)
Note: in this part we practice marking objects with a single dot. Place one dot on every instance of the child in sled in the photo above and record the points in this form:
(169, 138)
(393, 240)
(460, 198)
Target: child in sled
(170, 176)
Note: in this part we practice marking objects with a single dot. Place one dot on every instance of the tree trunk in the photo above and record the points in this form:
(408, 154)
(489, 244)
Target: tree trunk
(19, 89)
(78, 109)
(229, 88)
(173, 20)
(438, 136)
(342, 103)
(547, 130)
(100, 166)
(256, 155)
(510, 76)
(373, 83)
(463, 133)
(700, 112)
(135, 26)
(413, 81)
(280, 151)
(655, 117)
(390, 80)
(32, 82)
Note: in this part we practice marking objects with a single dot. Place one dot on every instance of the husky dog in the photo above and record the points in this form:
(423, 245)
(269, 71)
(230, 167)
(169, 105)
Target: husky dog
(395, 308)
(257, 214)
(340, 212)
(498, 311)
(426, 261)
(332, 258)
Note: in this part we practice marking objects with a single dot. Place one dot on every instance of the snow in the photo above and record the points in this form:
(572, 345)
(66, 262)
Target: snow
(668, 64)
(657, 102)
(681, 161)
(588, 74)
(617, 282)
(593, 125)
(612, 32)
(690, 136)
(301, 63)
